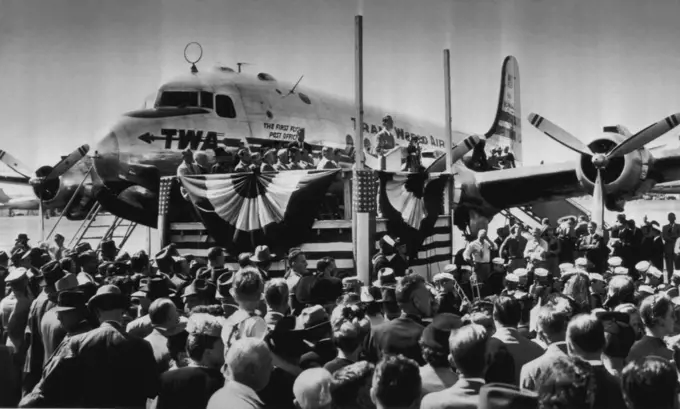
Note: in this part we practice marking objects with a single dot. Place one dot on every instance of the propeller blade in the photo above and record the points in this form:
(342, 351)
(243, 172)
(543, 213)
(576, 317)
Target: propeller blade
(14, 164)
(598, 202)
(558, 134)
(465, 146)
(67, 163)
(645, 136)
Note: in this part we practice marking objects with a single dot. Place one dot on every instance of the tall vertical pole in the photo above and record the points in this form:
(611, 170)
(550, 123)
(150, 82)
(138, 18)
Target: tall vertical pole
(364, 200)
(448, 143)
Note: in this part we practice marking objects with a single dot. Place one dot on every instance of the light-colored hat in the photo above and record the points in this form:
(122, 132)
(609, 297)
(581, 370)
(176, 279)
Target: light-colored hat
(645, 289)
(614, 262)
(498, 260)
(67, 282)
(520, 272)
(465, 268)
(16, 274)
(581, 262)
(541, 272)
(642, 266)
(620, 270)
(653, 271)
(565, 266)
(442, 277)
(512, 278)
(596, 277)
(450, 268)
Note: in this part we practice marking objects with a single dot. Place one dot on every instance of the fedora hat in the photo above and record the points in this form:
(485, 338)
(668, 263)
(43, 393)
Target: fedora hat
(157, 287)
(502, 396)
(262, 254)
(386, 278)
(67, 282)
(22, 237)
(82, 247)
(200, 287)
(313, 318)
(16, 274)
(110, 293)
(51, 273)
(70, 300)
(224, 282)
(109, 246)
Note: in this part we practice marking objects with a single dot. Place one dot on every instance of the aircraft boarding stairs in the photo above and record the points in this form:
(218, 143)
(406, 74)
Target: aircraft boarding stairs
(99, 225)
(553, 210)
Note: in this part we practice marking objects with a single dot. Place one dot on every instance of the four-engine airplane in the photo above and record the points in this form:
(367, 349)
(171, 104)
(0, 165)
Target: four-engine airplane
(223, 108)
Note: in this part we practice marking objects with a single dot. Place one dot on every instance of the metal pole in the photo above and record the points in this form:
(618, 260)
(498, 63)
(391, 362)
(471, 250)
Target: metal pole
(363, 222)
(448, 143)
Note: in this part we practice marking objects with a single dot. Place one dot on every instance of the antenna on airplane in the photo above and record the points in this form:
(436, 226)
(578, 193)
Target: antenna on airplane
(239, 64)
(194, 70)
(292, 90)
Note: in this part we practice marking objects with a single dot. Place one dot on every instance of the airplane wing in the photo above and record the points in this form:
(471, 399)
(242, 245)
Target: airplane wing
(523, 186)
(14, 180)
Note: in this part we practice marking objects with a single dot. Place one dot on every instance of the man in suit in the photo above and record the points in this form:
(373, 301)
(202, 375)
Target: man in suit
(670, 234)
(249, 366)
(585, 339)
(401, 335)
(468, 347)
(592, 246)
(104, 367)
(552, 329)
(507, 313)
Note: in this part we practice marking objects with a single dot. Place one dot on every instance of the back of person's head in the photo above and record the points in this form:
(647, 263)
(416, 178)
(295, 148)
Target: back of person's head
(139, 261)
(205, 336)
(214, 253)
(577, 288)
(276, 292)
(396, 382)
(650, 383)
(483, 318)
(161, 311)
(654, 309)
(323, 264)
(569, 383)
(621, 291)
(312, 389)
(351, 386)
(507, 311)
(468, 347)
(407, 287)
(247, 283)
(585, 334)
(249, 362)
(619, 335)
(483, 305)
(552, 322)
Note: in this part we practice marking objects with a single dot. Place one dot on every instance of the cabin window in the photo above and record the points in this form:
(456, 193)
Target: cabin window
(206, 100)
(178, 99)
(224, 106)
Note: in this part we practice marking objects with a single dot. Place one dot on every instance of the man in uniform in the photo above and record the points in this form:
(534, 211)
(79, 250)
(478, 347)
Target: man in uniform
(670, 234)
(385, 139)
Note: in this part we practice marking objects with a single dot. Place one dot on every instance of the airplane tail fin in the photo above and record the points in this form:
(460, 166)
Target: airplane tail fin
(507, 127)
(3, 197)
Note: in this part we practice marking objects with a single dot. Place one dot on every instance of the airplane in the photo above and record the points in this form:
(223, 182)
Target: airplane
(17, 202)
(203, 110)
(55, 186)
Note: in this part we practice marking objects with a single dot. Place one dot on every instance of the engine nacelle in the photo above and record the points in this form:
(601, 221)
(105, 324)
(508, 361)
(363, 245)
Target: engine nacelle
(57, 192)
(624, 177)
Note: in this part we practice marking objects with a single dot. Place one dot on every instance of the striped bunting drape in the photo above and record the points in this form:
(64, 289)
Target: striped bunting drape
(244, 210)
(411, 203)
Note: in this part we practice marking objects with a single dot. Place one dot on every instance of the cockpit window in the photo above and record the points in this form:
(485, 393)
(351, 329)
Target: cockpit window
(178, 99)
(206, 100)
(224, 106)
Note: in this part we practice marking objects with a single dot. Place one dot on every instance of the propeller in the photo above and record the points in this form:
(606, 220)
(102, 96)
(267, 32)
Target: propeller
(38, 182)
(601, 160)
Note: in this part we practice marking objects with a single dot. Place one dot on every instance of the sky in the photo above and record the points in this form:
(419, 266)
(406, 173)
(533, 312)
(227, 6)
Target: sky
(70, 68)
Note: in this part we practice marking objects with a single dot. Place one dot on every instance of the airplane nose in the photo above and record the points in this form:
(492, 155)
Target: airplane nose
(107, 158)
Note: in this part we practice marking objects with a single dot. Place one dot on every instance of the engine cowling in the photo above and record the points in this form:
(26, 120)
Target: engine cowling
(624, 177)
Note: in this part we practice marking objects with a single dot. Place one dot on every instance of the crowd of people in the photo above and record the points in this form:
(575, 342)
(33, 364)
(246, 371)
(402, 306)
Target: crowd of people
(97, 328)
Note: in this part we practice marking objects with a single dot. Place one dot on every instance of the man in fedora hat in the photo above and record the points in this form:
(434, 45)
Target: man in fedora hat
(263, 258)
(155, 288)
(108, 250)
(105, 367)
(216, 263)
(14, 309)
(21, 243)
(199, 292)
(224, 296)
(72, 312)
(51, 329)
